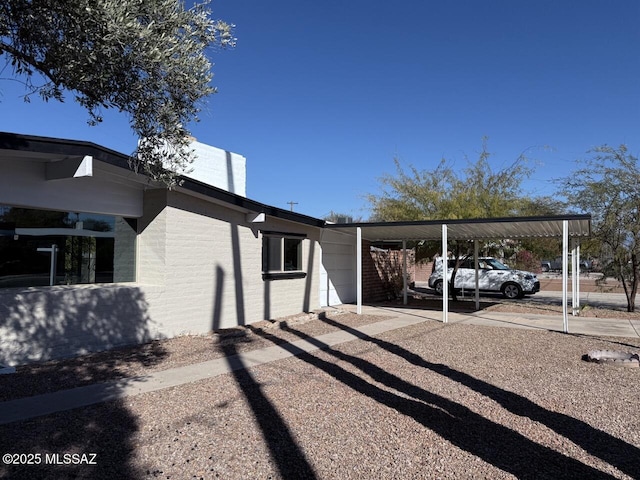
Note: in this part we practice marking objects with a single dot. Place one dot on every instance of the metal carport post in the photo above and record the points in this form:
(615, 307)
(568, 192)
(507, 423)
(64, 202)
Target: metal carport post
(476, 229)
(477, 267)
(359, 270)
(445, 269)
(575, 286)
(565, 257)
(404, 272)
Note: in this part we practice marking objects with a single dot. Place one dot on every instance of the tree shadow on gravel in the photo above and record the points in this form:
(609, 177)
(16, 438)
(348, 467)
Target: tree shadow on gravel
(498, 445)
(612, 450)
(45, 377)
(106, 430)
(285, 452)
(287, 455)
(66, 321)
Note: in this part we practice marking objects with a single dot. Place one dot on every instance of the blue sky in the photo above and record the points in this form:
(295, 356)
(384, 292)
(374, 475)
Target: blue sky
(321, 96)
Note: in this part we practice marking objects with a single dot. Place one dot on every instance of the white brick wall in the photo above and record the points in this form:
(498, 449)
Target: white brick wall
(219, 168)
(152, 239)
(214, 269)
(52, 322)
(199, 268)
(124, 252)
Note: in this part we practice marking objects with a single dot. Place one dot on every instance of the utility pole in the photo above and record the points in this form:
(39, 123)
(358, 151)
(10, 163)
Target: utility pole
(292, 204)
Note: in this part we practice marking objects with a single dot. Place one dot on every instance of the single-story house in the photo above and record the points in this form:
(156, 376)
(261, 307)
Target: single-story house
(94, 255)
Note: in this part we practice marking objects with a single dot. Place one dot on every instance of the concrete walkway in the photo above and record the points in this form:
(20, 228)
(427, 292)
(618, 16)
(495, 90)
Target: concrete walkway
(616, 327)
(39, 405)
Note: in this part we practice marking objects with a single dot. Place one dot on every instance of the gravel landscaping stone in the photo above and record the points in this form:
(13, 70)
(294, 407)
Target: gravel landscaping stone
(425, 401)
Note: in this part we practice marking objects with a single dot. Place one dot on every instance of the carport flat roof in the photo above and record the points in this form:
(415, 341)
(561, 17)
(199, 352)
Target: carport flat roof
(471, 229)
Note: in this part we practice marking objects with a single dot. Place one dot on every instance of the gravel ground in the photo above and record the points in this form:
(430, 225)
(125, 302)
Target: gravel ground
(127, 362)
(426, 401)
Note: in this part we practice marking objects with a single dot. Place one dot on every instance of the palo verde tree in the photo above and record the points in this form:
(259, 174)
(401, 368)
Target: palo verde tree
(608, 187)
(145, 58)
(444, 192)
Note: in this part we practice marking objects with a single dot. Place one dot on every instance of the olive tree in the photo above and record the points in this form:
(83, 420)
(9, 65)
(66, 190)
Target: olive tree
(444, 192)
(145, 58)
(608, 187)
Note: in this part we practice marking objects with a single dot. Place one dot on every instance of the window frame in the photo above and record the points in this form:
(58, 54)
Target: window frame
(65, 248)
(268, 270)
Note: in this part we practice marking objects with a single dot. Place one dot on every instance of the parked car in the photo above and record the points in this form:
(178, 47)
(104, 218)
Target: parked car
(493, 276)
(551, 265)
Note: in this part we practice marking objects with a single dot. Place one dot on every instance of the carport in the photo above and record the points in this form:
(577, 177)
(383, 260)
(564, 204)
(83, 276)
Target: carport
(571, 228)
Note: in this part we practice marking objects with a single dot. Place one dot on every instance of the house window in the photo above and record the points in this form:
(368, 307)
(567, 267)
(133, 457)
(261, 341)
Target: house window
(281, 255)
(42, 248)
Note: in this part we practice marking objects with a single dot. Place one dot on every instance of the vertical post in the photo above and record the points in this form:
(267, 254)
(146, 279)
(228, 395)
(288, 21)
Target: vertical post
(404, 272)
(359, 270)
(578, 275)
(53, 251)
(574, 278)
(54, 266)
(565, 261)
(476, 266)
(445, 280)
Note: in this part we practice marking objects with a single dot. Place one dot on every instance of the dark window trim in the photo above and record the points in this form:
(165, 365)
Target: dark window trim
(283, 275)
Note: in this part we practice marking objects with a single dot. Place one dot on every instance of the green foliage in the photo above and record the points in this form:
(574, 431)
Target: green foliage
(145, 58)
(608, 187)
(444, 193)
(478, 191)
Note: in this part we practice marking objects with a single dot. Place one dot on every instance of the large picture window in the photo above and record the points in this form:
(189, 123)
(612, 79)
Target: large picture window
(42, 247)
(282, 255)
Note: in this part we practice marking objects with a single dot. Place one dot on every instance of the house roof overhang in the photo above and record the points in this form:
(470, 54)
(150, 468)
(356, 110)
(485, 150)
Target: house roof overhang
(28, 147)
(579, 226)
(115, 166)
